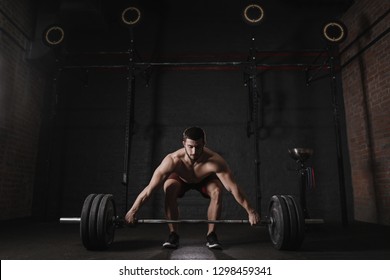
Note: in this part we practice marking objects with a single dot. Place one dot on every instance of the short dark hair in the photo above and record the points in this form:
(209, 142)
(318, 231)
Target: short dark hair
(194, 133)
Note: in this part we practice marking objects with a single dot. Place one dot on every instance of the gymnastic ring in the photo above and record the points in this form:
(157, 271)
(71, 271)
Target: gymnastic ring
(53, 35)
(334, 32)
(129, 13)
(256, 20)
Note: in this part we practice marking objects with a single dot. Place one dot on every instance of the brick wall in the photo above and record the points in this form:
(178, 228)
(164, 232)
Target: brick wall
(366, 86)
(21, 96)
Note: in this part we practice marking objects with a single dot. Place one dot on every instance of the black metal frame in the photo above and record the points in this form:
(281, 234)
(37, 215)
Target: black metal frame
(129, 115)
(251, 68)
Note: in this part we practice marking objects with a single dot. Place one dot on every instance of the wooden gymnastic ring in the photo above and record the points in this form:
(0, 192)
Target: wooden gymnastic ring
(253, 20)
(334, 32)
(53, 35)
(128, 14)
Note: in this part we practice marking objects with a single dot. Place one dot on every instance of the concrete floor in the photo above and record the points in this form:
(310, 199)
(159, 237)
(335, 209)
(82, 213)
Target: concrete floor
(25, 239)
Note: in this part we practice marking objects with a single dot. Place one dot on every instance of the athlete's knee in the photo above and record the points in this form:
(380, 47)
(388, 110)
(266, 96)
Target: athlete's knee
(215, 192)
(171, 188)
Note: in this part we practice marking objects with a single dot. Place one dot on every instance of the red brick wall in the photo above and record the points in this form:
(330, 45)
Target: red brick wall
(366, 87)
(21, 102)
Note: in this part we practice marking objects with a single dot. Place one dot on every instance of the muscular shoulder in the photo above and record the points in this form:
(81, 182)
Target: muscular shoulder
(171, 161)
(177, 156)
(216, 161)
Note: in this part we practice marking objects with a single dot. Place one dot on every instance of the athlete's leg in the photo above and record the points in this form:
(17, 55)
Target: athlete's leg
(214, 190)
(172, 189)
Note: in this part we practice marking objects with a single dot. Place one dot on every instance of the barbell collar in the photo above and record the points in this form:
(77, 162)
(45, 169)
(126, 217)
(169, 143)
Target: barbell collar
(314, 221)
(75, 220)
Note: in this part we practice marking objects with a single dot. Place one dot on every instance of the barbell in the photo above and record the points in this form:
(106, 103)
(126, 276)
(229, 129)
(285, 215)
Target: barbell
(98, 222)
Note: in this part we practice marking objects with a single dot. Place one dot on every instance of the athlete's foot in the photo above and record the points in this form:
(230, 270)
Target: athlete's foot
(173, 241)
(212, 241)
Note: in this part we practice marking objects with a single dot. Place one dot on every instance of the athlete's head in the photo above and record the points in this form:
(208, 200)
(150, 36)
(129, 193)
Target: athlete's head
(194, 139)
(194, 133)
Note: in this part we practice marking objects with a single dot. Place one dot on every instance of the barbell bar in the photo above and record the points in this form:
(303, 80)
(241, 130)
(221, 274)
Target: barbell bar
(191, 221)
(121, 222)
(98, 222)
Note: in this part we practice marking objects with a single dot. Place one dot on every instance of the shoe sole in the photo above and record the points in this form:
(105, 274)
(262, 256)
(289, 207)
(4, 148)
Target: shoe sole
(214, 246)
(170, 245)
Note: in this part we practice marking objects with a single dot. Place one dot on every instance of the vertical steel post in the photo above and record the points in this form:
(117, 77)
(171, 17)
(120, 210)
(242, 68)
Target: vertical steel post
(52, 128)
(129, 126)
(336, 117)
(253, 92)
(302, 191)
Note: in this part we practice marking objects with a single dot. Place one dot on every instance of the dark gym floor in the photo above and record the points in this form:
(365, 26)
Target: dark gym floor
(25, 239)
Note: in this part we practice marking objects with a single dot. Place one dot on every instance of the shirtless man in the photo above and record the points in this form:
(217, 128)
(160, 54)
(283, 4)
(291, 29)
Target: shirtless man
(193, 167)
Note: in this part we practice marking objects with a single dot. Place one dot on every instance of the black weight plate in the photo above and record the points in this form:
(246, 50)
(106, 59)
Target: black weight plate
(105, 222)
(300, 223)
(279, 228)
(84, 220)
(293, 222)
(92, 223)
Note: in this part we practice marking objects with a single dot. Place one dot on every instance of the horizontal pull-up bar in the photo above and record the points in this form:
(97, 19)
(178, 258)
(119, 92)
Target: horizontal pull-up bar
(207, 66)
(221, 56)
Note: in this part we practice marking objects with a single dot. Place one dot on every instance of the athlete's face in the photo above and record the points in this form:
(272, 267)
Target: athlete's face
(194, 149)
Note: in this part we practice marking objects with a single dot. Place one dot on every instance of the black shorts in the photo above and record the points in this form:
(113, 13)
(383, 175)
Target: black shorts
(200, 187)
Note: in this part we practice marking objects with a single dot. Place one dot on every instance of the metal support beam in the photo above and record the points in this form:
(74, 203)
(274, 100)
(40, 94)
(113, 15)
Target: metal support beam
(254, 95)
(336, 118)
(129, 117)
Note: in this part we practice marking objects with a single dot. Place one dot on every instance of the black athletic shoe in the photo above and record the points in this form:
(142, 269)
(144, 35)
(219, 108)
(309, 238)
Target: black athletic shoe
(173, 241)
(212, 241)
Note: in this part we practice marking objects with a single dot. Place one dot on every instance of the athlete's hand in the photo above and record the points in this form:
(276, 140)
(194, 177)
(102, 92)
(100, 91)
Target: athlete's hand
(254, 217)
(130, 217)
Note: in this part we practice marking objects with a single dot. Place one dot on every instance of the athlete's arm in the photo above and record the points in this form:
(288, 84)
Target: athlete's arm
(166, 167)
(226, 177)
